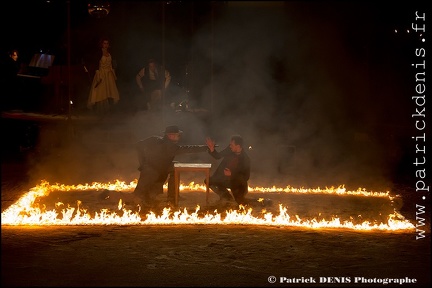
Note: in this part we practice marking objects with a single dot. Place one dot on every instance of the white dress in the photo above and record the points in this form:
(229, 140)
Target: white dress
(104, 83)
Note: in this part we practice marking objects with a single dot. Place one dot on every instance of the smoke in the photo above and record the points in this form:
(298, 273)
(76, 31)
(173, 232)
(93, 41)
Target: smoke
(287, 76)
(292, 90)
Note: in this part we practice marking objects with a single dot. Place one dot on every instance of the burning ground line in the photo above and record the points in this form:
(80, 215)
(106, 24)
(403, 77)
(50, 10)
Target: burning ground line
(340, 190)
(332, 190)
(122, 186)
(24, 212)
(232, 217)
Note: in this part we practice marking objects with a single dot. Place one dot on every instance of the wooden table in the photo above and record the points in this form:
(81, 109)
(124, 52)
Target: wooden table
(191, 167)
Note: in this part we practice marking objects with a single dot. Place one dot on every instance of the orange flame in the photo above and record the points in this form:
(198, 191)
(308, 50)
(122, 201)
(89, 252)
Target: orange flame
(25, 212)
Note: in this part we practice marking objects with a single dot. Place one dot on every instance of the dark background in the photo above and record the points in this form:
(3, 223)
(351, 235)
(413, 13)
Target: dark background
(330, 81)
(320, 90)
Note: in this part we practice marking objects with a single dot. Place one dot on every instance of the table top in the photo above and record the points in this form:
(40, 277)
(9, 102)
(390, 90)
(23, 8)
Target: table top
(192, 165)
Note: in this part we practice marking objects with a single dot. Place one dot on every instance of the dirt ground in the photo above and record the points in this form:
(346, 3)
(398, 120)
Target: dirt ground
(205, 256)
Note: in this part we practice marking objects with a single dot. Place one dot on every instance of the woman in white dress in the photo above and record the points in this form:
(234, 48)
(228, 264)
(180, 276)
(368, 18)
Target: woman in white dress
(103, 91)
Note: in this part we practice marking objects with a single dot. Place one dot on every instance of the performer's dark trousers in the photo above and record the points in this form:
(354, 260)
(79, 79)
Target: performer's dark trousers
(220, 185)
(150, 184)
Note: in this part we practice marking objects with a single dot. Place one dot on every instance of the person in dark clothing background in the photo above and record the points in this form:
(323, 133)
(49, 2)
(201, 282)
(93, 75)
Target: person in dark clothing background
(233, 171)
(151, 80)
(10, 67)
(156, 155)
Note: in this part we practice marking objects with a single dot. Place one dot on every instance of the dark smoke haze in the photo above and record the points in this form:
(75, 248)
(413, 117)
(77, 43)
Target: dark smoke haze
(313, 87)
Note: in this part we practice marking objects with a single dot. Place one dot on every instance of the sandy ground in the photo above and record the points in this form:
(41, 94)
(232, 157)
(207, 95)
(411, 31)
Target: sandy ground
(203, 255)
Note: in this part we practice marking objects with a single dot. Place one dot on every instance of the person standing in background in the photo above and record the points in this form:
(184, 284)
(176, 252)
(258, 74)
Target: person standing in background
(151, 79)
(13, 54)
(10, 67)
(103, 91)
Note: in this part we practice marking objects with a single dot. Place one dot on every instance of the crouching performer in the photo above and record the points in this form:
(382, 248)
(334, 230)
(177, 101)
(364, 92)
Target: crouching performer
(233, 171)
(155, 156)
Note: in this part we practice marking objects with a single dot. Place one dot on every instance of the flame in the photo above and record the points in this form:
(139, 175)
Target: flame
(26, 211)
(340, 190)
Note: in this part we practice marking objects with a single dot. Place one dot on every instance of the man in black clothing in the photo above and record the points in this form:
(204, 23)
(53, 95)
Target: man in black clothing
(156, 155)
(233, 172)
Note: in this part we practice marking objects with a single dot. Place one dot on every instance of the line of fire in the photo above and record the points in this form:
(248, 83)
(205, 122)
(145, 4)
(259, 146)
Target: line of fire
(43, 206)
(319, 93)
